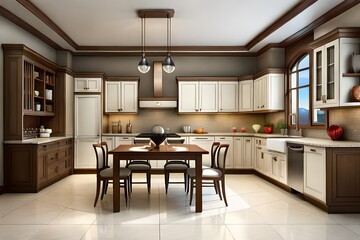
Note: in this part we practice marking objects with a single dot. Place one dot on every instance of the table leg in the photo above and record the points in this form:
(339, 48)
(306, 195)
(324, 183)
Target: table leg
(198, 169)
(116, 184)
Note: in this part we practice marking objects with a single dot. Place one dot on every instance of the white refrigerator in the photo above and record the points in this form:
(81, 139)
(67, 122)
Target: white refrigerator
(87, 129)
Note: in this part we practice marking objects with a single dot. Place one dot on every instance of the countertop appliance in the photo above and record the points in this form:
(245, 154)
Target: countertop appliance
(296, 166)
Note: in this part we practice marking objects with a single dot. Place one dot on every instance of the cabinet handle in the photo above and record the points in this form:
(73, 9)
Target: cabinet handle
(313, 150)
(125, 138)
(262, 106)
(222, 138)
(200, 138)
(258, 147)
(275, 159)
(248, 140)
(197, 110)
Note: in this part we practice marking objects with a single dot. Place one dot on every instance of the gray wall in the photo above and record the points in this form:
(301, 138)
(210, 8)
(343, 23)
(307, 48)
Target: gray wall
(10, 33)
(273, 58)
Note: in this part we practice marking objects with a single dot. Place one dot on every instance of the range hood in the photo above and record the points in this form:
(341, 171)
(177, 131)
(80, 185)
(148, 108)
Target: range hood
(158, 101)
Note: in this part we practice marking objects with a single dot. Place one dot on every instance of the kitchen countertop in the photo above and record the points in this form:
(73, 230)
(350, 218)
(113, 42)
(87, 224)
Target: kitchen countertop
(36, 140)
(316, 142)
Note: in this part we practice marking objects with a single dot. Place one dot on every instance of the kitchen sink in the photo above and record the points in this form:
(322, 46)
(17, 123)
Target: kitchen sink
(276, 144)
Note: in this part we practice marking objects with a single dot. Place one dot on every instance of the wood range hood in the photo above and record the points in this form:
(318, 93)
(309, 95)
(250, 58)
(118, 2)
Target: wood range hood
(158, 101)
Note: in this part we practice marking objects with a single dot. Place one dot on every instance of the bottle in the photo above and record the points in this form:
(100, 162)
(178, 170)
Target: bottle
(129, 127)
(120, 127)
(115, 127)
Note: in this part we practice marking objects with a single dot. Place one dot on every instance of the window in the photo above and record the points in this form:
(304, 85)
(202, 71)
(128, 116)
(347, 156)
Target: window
(300, 97)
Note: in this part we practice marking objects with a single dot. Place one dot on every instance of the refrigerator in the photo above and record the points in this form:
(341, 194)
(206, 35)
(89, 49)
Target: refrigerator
(87, 129)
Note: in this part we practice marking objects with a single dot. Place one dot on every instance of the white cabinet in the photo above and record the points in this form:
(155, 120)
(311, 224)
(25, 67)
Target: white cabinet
(84, 153)
(269, 92)
(188, 96)
(208, 96)
(229, 163)
(204, 142)
(326, 75)
(110, 140)
(315, 172)
(121, 96)
(260, 147)
(243, 152)
(228, 96)
(87, 84)
(246, 99)
(278, 167)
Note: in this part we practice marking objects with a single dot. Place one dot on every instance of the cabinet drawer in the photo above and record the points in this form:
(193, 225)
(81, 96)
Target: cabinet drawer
(52, 170)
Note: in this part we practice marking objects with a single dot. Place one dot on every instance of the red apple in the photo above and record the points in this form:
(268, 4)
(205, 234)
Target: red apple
(243, 129)
(268, 130)
(335, 132)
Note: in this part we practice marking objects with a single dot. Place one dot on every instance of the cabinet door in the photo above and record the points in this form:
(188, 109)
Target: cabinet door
(229, 163)
(88, 84)
(318, 92)
(238, 152)
(112, 96)
(247, 152)
(246, 99)
(129, 97)
(259, 159)
(85, 154)
(123, 141)
(315, 172)
(268, 162)
(87, 115)
(208, 96)
(228, 96)
(204, 143)
(259, 92)
(331, 88)
(111, 145)
(188, 96)
(282, 161)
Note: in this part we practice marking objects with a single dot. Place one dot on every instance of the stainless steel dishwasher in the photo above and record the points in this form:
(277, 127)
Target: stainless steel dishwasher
(296, 166)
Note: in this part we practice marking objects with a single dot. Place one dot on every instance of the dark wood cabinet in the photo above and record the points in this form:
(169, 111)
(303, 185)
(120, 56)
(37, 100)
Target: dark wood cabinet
(343, 180)
(32, 167)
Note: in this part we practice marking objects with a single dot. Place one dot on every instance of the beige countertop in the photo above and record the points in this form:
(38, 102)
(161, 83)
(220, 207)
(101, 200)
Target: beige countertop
(319, 142)
(36, 140)
(230, 134)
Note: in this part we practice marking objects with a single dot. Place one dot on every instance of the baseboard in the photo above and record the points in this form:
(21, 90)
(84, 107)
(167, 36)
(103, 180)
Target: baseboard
(273, 181)
(2, 190)
(84, 171)
(239, 171)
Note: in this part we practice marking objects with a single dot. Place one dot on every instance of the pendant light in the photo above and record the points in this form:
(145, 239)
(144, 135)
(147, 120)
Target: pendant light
(168, 63)
(143, 65)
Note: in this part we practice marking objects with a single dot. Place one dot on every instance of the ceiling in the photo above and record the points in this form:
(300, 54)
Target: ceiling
(232, 26)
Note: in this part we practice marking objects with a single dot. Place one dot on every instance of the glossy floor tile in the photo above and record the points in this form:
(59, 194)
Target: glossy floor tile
(257, 210)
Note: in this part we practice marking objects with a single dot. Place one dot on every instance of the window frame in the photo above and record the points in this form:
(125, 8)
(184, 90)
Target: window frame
(296, 60)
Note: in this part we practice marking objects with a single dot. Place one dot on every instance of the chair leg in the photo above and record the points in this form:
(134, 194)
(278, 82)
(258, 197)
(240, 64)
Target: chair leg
(191, 189)
(166, 181)
(130, 183)
(223, 191)
(105, 183)
(98, 183)
(185, 179)
(125, 191)
(188, 183)
(218, 188)
(148, 180)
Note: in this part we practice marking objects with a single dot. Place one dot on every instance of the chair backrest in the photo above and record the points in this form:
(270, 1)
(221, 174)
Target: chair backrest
(100, 153)
(213, 150)
(179, 140)
(221, 156)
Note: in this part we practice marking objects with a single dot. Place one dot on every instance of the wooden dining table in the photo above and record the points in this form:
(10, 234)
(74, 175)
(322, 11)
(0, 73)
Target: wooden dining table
(163, 152)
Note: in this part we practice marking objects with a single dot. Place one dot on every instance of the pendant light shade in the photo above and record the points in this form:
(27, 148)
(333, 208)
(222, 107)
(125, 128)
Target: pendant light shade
(168, 63)
(143, 65)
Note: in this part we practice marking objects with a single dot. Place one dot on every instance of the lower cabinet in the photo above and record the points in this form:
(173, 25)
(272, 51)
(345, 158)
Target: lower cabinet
(32, 167)
(205, 142)
(314, 172)
(243, 152)
(278, 167)
(229, 163)
(260, 147)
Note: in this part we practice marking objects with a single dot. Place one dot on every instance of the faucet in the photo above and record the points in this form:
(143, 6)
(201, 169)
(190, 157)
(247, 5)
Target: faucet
(297, 128)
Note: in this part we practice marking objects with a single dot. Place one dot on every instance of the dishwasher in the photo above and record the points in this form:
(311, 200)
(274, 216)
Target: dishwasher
(296, 166)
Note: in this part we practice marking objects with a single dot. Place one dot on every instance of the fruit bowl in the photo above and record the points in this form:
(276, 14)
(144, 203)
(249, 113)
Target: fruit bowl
(335, 132)
(256, 127)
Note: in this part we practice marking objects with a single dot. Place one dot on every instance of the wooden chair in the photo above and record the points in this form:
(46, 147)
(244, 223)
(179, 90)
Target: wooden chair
(104, 173)
(191, 171)
(175, 166)
(140, 166)
(216, 174)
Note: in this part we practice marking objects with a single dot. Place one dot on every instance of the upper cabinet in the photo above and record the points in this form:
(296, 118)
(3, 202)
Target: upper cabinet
(246, 96)
(88, 84)
(207, 94)
(331, 66)
(121, 95)
(326, 75)
(34, 93)
(269, 91)
(228, 96)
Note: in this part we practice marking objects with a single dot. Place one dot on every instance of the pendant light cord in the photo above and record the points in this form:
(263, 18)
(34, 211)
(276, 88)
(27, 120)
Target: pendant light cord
(143, 36)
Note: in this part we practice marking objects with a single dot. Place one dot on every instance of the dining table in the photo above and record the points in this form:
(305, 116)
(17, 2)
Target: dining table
(162, 152)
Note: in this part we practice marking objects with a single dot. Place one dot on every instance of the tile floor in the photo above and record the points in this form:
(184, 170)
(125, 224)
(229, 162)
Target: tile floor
(257, 210)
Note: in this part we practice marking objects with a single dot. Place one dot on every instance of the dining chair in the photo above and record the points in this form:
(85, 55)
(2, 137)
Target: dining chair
(140, 166)
(191, 171)
(105, 174)
(175, 166)
(215, 174)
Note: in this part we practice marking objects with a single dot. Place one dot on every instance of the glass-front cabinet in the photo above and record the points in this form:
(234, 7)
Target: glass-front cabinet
(326, 75)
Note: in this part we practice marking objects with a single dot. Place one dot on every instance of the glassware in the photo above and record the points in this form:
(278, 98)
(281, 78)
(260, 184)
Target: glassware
(115, 127)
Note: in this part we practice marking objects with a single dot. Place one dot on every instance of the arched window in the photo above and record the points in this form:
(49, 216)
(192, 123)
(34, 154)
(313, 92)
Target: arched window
(300, 105)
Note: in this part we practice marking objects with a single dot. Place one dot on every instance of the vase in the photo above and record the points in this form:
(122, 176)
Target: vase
(354, 62)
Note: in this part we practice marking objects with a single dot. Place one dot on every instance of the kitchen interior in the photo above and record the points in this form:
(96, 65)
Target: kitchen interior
(60, 98)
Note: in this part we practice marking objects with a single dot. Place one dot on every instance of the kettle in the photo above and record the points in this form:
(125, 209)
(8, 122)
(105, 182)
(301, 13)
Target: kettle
(157, 129)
